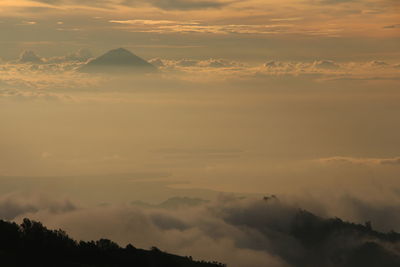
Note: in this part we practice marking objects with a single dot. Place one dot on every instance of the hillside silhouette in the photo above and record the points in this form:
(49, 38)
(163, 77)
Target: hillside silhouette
(319, 241)
(334, 242)
(32, 244)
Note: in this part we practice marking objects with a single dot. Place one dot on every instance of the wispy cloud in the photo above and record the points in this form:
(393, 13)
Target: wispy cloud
(364, 161)
(161, 4)
(182, 4)
(27, 23)
(394, 26)
(287, 19)
(151, 22)
(167, 26)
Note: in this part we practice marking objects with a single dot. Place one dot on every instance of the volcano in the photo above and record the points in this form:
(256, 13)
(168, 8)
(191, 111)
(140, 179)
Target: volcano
(118, 61)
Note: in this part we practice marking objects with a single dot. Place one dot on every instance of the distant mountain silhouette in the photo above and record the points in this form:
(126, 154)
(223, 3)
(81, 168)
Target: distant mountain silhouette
(118, 61)
(31, 244)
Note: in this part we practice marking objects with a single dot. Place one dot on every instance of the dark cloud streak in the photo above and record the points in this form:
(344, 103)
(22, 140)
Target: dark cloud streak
(162, 4)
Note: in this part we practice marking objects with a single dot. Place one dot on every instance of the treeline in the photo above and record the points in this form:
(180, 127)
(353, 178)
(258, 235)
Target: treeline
(32, 244)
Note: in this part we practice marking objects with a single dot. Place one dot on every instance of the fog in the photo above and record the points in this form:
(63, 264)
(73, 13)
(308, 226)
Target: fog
(77, 151)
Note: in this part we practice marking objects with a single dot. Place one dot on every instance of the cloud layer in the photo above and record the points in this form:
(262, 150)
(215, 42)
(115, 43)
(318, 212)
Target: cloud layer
(240, 232)
(32, 75)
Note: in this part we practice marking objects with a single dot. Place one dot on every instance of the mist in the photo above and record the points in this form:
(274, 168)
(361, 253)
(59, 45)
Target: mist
(96, 153)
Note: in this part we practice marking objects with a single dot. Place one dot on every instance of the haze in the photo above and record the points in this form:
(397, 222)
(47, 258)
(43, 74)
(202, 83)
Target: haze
(251, 98)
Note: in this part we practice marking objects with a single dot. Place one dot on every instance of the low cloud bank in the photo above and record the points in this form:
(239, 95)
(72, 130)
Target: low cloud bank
(32, 75)
(239, 232)
(14, 205)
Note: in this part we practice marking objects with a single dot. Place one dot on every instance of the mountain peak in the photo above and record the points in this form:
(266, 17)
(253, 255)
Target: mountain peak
(118, 60)
(119, 51)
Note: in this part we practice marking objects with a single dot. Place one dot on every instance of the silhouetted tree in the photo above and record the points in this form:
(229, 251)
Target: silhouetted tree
(31, 244)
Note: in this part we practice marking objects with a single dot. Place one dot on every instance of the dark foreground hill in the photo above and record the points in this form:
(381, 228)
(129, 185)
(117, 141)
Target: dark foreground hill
(32, 244)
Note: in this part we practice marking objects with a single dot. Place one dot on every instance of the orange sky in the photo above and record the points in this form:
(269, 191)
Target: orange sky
(57, 26)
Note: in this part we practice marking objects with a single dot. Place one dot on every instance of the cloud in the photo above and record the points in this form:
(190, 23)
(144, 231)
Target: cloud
(158, 62)
(194, 231)
(374, 212)
(186, 63)
(162, 4)
(329, 70)
(10, 209)
(82, 55)
(32, 95)
(272, 64)
(95, 3)
(364, 161)
(169, 26)
(390, 161)
(218, 63)
(28, 23)
(34, 77)
(377, 63)
(195, 63)
(240, 232)
(343, 18)
(287, 19)
(183, 4)
(51, 2)
(29, 57)
(394, 26)
(305, 67)
(325, 64)
(336, 1)
(150, 22)
(17, 204)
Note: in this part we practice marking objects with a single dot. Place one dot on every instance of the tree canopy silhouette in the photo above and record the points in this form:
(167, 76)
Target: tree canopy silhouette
(32, 244)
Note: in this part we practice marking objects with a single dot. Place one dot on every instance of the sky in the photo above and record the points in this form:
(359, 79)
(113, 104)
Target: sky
(248, 30)
(299, 99)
